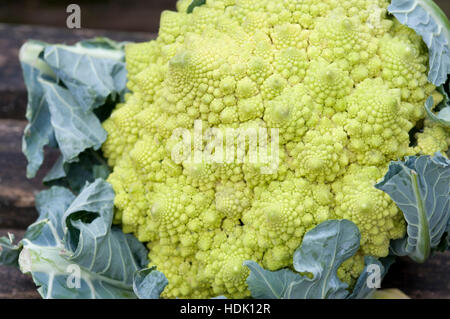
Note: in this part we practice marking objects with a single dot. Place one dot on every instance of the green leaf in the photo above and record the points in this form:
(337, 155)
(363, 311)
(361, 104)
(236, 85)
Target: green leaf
(9, 253)
(265, 284)
(72, 250)
(91, 70)
(420, 187)
(428, 20)
(94, 242)
(194, 4)
(65, 85)
(75, 130)
(149, 283)
(443, 116)
(90, 166)
(322, 251)
(105, 44)
(362, 290)
(38, 132)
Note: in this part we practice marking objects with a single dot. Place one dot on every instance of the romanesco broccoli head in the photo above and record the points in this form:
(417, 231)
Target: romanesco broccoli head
(343, 84)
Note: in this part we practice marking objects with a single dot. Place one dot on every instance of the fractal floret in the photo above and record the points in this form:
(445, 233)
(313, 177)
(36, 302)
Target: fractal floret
(342, 82)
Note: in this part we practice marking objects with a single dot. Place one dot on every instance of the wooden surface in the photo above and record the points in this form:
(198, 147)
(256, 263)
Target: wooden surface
(430, 280)
(131, 15)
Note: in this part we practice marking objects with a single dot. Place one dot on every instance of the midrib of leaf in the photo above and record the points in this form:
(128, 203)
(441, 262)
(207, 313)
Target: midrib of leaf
(96, 73)
(330, 266)
(88, 276)
(268, 284)
(71, 112)
(423, 227)
(51, 279)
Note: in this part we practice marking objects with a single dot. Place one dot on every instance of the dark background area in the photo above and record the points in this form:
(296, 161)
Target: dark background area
(124, 15)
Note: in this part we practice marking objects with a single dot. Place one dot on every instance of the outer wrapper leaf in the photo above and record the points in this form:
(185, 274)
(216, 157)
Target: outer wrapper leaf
(443, 116)
(66, 84)
(75, 130)
(265, 284)
(149, 283)
(91, 71)
(362, 290)
(428, 20)
(38, 132)
(322, 251)
(74, 238)
(194, 4)
(89, 167)
(420, 187)
(9, 253)
(93, 243)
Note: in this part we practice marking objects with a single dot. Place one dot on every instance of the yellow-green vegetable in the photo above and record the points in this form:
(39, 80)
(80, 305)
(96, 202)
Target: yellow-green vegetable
(342, 81)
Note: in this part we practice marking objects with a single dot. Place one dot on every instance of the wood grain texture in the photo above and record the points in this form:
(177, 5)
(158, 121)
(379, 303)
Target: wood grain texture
(14, 284)
(130, 15)
(16, 191)
(421, 281)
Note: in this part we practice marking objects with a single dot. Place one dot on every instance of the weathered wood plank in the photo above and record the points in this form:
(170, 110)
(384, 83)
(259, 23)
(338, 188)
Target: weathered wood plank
(13, 95)
(14, 284)
(421, 281)
(130, 15)
(16, 191)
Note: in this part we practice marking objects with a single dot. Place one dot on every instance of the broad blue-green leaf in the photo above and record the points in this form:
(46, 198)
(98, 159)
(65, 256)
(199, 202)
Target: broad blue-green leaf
(9, 252)
(420, 187)
(72, 250)
(106, 44)
(38, 131)
(95, 241)
(266, 284)
(428, 20)
(374, 270)
(194, 4)
(322, 251)
(149, 283)
(75, 130)
(90, 166)
(443, 116)
(67, 83)
(91, 70)
(51, 205)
